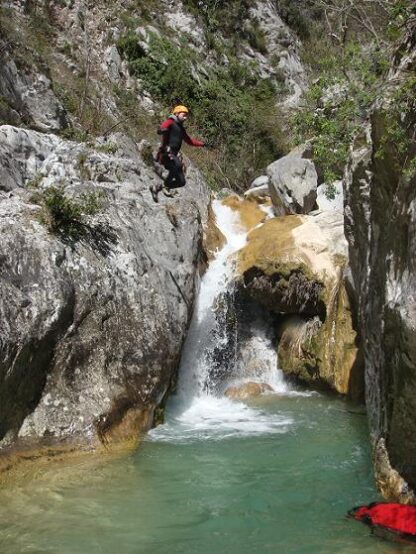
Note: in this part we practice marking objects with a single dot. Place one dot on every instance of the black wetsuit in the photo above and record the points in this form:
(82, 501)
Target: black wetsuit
(173, 133)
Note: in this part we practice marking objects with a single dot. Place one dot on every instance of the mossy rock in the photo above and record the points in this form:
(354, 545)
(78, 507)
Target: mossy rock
(302, 281)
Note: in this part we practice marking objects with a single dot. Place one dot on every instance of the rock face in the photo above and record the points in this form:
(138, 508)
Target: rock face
(282, 45)
(28, 97)
(92, 325)
(293, 266)
(380, 225)
(293, 184)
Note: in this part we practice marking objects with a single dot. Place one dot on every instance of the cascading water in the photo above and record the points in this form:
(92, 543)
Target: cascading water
(210, 354)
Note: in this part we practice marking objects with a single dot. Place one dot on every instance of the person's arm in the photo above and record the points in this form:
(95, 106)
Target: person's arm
(192, 141)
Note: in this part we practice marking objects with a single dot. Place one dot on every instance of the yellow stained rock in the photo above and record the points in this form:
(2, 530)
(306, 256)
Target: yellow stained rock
(270, 245)
(213, 238)
(324, 355)
(250, 213)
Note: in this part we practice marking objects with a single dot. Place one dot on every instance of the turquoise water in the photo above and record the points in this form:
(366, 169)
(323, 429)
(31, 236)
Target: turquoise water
(220, 477)
(283, 489)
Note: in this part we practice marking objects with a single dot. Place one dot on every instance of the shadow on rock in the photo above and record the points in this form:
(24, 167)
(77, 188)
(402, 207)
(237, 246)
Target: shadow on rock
(99, 237)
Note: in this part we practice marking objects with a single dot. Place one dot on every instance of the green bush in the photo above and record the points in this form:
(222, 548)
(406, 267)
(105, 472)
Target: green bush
(338, 103)
(256, 37)
(399, 129)
(67, 216)
(300, 15)
(231, 107)
(228, 18)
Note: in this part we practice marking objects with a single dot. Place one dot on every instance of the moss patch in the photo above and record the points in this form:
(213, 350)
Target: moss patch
(270, 247)
(324, 355)
(250, 213)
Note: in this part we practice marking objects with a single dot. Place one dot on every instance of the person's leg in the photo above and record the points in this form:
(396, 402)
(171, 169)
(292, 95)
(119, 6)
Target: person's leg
(176, 177)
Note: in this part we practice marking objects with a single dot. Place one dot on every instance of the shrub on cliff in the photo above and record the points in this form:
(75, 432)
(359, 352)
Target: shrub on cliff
(351, 59)
(66, 216)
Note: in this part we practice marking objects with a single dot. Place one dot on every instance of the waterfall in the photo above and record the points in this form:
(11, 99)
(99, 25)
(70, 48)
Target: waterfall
(198, 409)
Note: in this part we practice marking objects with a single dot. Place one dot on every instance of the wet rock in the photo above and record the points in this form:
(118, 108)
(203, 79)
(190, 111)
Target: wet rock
(294, 266)
(247, 390)
(213, 237)
(248, 209)
(391, 484)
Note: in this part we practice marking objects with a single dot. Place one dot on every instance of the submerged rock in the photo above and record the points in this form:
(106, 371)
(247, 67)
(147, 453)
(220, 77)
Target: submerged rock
(249, 211)
(247, 390)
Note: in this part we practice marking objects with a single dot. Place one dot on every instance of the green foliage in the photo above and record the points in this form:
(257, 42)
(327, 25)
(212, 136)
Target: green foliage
(67, 216)
(402, 14)
(106, 148)
(256, 37)
(299, 15)
(167, 72)
(232, 106)
(399, 129)
(338, 103)
(228, 18)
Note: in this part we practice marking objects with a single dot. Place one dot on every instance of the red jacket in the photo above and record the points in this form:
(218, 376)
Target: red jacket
(173, 133)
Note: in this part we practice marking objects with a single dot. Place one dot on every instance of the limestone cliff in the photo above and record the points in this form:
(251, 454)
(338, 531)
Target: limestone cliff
(380, 223)
(92, 323)
(94, 313)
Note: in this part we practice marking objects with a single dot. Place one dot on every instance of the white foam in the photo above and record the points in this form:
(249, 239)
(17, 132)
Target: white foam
(194, 414)
(213, 418)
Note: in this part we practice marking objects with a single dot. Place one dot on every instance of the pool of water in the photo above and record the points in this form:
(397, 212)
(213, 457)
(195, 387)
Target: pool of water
(285, 487)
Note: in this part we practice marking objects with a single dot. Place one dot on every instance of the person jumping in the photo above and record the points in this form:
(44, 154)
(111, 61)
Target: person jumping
(173, 133)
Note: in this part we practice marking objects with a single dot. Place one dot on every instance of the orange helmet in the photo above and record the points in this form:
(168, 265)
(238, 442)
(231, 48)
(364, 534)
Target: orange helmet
(180, 109)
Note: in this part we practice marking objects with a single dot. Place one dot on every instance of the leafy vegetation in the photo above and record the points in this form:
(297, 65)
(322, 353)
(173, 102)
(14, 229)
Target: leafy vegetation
(400, 129)
(233, 108)
(351, 59)
(337, 104)
(67, 216)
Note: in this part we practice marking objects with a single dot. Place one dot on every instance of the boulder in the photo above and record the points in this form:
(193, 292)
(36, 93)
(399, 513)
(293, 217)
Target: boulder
(263, 180)
(261, 191)
(294, 267)
(293, 184)
(247, 390)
